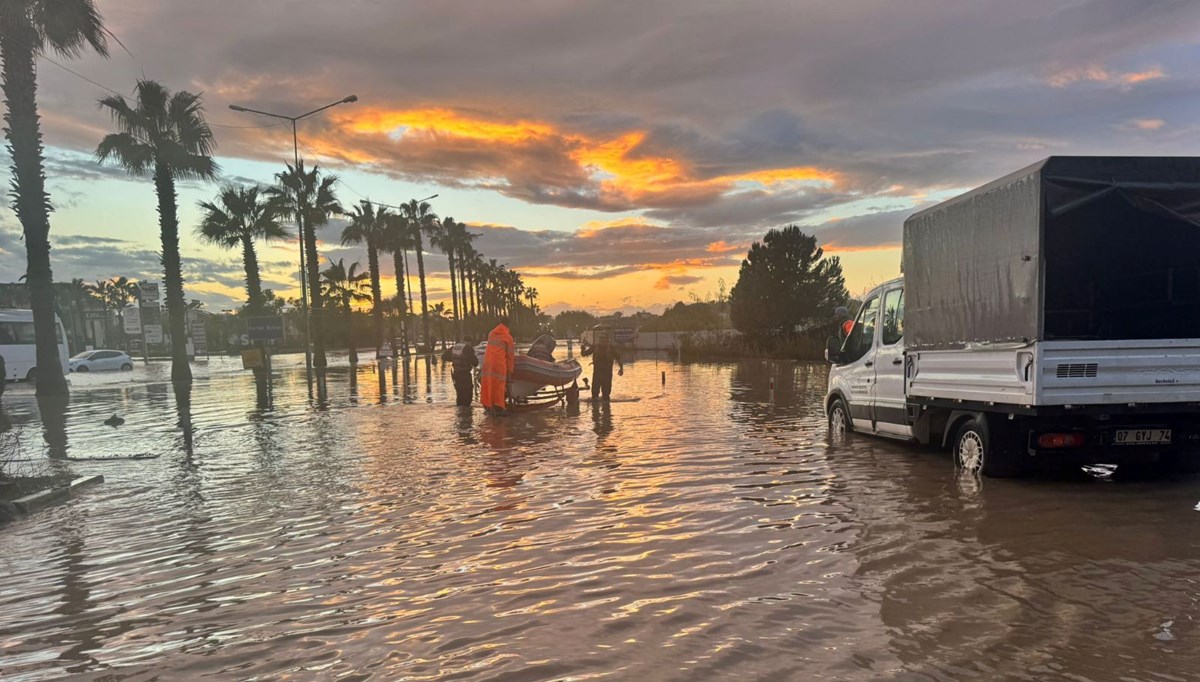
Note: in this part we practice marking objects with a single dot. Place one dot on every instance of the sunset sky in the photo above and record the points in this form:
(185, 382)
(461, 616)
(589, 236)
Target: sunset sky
(620, 154)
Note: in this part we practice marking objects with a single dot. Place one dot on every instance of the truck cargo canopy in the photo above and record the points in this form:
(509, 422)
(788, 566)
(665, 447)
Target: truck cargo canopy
(1069, 248)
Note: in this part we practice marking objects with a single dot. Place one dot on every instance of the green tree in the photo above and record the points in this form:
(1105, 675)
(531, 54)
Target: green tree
(422, 221)
(445, 237)
(342, 287)
(785, 283)
(163, 134)
(569, 323)
(28, 28)
(369, 225)
(238, 217)
(310, 198)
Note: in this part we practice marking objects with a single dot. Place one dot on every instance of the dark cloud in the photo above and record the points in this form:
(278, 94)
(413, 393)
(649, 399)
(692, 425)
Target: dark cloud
(898, 99)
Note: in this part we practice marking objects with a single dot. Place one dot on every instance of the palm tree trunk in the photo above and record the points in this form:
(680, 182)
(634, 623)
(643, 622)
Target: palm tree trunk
(32, 202)
(453, 292)
(462, 289)
(351, 347)
(398, 266)
(168, 222)
(315, 307)
(254, 294)
(376, 293)
(424, 295)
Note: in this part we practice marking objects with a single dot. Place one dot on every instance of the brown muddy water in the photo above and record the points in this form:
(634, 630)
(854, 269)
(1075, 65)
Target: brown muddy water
(702, 532)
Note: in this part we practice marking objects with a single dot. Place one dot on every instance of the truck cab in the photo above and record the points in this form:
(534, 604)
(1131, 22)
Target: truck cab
(866, 380)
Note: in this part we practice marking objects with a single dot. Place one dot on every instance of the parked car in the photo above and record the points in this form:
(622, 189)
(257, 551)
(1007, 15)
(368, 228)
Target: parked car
(1049, 318)
(101, 360)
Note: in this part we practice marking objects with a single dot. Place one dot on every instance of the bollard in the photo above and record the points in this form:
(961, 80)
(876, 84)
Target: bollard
(772, 390)
(664, 378)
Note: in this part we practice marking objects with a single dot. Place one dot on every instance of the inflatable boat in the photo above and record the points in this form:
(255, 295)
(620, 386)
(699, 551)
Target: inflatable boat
(531, 375)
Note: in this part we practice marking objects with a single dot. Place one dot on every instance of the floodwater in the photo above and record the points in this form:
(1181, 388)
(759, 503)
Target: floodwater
(704, 531)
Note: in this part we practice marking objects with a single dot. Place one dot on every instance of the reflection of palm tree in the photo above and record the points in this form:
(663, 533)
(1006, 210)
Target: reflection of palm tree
(163, 134)
(369, 225)
(310, 198)
(343, 287)
(421, 221)
(238, 217)
(27, 29)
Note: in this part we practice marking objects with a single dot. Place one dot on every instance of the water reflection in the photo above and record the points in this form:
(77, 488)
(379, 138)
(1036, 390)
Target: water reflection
(697, 532)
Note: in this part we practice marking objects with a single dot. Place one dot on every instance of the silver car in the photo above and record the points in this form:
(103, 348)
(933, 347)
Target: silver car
(101, 360)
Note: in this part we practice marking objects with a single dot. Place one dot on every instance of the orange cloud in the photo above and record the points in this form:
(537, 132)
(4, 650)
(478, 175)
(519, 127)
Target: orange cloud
(538, 161)
(1098, 74)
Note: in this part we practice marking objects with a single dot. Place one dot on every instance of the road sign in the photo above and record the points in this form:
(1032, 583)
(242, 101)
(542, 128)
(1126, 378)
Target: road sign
(149, 293)
(152, 327)
(153, 333)
(252, 358)
(199, 336)
(132, 320)
(267, 328)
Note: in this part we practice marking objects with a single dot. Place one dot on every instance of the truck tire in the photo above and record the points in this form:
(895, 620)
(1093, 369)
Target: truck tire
(977, 452)
(839, 419)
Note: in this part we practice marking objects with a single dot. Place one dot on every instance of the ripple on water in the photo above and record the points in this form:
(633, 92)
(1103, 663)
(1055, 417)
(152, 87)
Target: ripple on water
(704, 531)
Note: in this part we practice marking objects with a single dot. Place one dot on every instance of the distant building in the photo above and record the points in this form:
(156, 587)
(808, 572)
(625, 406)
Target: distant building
(87, 322)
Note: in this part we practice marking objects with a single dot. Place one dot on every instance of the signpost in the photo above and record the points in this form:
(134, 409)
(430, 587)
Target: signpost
(131, 320)
(199, 336)
(152, 323)
(268, 328)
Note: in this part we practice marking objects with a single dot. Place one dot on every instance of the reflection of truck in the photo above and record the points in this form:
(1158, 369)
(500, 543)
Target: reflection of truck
(1052, 316)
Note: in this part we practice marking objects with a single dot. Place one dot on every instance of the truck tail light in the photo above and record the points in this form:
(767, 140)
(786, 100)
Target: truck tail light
(1053, 441)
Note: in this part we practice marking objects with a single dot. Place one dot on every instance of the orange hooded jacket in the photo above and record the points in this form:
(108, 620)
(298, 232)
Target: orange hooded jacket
(498, 363)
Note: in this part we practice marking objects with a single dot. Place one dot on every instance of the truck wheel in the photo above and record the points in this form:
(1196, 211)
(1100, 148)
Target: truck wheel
(31, 377)
(970, 447)
(977, 452)
(839, 419)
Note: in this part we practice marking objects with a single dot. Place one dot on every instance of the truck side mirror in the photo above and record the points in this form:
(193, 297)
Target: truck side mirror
(833, 350)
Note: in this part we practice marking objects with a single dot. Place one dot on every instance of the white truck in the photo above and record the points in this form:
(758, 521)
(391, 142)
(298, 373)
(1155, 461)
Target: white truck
(1051, 317)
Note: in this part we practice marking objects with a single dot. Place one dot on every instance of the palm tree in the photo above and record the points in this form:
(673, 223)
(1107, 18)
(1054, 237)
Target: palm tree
(114, 294)
(343, 287)
(28, 29)
(445, 237)
(442, 315)
(421, 221)
(398, 241)
(163, 134)
(369, 225)
(531, 295)
(238, 217)
(310, 198)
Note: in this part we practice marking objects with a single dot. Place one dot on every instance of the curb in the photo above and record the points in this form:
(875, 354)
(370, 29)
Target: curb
(48, 498)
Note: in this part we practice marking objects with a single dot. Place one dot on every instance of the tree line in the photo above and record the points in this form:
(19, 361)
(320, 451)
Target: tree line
(164, 136)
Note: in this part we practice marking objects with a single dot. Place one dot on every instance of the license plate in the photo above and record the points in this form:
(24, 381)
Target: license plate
(1142, 437)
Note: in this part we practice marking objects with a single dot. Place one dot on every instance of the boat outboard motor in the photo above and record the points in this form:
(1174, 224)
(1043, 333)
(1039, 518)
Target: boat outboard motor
(543, 348)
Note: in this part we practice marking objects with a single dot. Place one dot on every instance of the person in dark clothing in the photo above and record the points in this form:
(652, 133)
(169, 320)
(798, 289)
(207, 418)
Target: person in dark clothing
(604, 353)
(462, 359)
(542, 348)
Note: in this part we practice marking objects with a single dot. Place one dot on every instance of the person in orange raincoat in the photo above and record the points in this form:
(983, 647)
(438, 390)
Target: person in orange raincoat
(497, 369)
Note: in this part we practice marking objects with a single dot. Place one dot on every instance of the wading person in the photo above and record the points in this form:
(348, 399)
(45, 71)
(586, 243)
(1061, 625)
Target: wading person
(604, 353)
(461, 357)
(497, 369)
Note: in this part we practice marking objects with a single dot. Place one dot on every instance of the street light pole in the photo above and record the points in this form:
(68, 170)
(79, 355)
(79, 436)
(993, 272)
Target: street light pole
(300, 216)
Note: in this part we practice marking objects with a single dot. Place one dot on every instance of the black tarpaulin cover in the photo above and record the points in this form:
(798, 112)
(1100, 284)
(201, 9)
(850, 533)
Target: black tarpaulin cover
(1070, 247)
